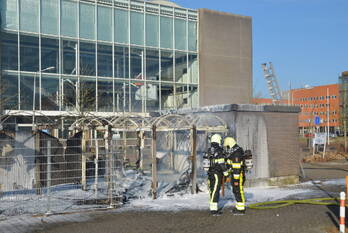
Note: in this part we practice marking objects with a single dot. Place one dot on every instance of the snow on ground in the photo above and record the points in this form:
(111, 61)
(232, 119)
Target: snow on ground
(137, 188)
(200, 201)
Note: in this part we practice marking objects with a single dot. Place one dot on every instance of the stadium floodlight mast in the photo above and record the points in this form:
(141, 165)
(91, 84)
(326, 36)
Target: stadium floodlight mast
(34, 93)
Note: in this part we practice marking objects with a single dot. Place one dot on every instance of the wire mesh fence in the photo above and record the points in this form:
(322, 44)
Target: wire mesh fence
(97, 166)
(48, 175)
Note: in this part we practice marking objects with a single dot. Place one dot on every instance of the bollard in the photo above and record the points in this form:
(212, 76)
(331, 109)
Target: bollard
(342, 212)
(346, 186)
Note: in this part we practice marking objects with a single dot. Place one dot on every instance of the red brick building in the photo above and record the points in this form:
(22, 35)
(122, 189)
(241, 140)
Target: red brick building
(321, 102)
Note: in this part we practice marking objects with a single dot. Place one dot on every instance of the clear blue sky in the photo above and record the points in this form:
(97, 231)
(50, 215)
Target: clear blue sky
(307, 40)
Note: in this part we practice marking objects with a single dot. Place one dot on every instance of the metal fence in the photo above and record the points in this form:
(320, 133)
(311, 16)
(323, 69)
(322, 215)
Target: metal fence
(97, 166)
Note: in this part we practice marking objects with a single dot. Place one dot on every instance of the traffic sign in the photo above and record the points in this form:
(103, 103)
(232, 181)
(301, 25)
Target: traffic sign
(317, 120)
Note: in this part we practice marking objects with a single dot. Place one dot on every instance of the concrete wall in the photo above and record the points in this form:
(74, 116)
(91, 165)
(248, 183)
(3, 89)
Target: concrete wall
(282, 143)
(225, 56)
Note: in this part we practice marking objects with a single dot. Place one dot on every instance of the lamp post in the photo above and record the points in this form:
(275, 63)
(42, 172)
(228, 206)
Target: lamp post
(141, 85)
(144, 84)
(34, 93)
(328, 115)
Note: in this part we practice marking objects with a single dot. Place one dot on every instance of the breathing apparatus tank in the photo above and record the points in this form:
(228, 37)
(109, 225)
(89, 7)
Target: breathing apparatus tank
(215, 141)
(248, 159)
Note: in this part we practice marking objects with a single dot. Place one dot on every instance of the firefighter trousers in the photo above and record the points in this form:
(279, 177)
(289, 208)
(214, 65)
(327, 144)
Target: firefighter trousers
(237, 183)
(214, 183)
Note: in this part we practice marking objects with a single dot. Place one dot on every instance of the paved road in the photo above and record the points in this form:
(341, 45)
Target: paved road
(330, 170)
(293, 219)
(296, 219)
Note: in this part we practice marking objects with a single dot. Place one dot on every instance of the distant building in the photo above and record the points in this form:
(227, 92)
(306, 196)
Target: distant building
(320, 102)
(267, 101)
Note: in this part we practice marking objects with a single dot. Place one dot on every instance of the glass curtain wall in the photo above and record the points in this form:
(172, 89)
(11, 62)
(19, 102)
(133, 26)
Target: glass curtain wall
(75, 55)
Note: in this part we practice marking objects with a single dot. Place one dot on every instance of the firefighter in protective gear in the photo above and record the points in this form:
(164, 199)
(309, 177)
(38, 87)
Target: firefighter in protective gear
(235, 162)
(217, 169)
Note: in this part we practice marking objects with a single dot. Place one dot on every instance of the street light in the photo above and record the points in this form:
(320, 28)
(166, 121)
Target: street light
(34, 94)
(328, 115)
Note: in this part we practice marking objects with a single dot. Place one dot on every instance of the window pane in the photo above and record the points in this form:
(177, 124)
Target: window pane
(180, 34)
(69, 93)
(9, 91)
(138, 97)
(87, 59)
(136, 63)
(29, 15)
(193, 90)
(8, 11)
(69, 56)
(167, 96)
(26, 92)
(181, 67)
(166, 32)
(121, 103)
(49, 93)
(50, 54)
(9, 51)
(121, 26)
(87, 98)
(68, 18)
(192, 36)
(121, 62)
(87, 15)
(104, 23)
(29, 49)
(193, 68)
(181, 96)
(49, 17)
(137, 28)
(105, 96)
(152, 97)
(152, 30)
(152, 64)
(167, 66)
(104, 60)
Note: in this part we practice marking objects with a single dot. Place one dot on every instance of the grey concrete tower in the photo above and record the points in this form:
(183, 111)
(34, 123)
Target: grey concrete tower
(225, 56)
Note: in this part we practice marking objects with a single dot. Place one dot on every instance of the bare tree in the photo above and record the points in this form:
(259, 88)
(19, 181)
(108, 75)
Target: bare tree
(258, 94)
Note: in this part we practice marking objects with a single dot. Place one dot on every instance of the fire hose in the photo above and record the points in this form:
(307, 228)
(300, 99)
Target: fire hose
(283, 203)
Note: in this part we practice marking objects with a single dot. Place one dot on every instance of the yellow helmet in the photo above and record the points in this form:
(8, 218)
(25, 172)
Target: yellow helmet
(229, 142)
(216, 138)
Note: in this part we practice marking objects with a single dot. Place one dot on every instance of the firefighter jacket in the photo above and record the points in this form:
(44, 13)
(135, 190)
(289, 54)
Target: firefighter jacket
(217, 159)
(235, 161)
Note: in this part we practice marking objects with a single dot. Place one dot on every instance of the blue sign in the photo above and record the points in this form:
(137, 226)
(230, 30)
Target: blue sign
(317, 120)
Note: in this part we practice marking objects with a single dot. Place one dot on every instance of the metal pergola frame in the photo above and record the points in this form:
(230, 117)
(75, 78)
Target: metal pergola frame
(170, 123)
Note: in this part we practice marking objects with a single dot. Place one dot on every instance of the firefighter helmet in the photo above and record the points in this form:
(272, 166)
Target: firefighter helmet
(229, 142)
(216, 138)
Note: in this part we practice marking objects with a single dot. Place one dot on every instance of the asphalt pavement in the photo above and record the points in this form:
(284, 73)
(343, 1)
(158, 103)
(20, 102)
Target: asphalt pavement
(300, 218)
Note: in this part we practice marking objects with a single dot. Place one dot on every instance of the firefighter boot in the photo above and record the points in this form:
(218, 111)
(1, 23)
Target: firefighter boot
(238, 212)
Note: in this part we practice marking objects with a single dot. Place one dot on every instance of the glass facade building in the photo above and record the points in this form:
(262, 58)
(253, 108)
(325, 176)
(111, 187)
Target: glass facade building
(98, 55)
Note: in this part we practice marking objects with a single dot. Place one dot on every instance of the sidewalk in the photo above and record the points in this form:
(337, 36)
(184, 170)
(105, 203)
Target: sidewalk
(327, 170)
